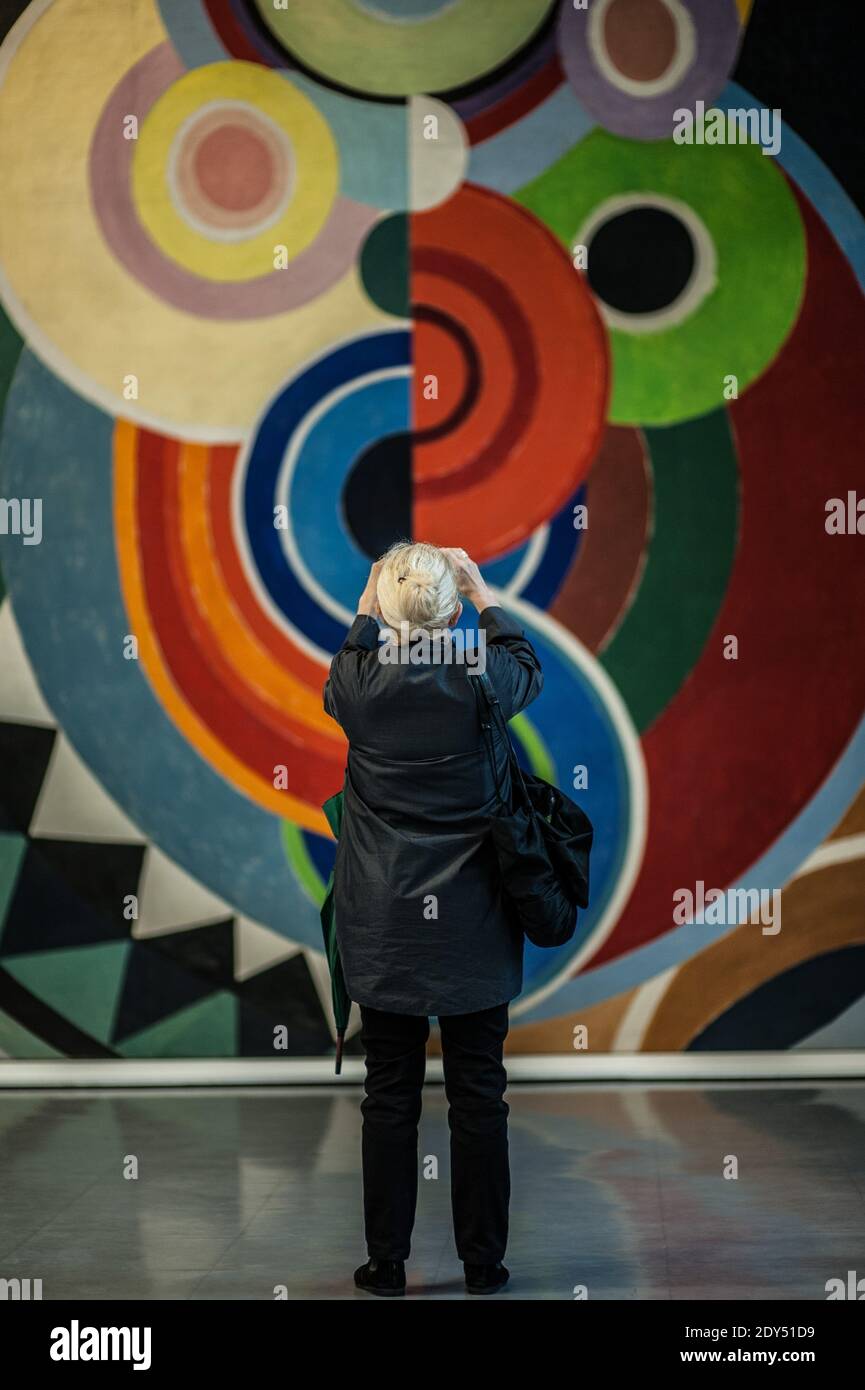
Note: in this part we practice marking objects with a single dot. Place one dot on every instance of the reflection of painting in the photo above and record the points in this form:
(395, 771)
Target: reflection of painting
(321, 267)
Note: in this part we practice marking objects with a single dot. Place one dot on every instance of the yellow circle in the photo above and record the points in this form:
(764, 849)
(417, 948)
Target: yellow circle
(316, 176)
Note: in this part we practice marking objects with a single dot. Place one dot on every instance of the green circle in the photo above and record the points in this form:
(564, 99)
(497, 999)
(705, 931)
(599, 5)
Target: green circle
(384, 265)
(373, 53)
(752, 217)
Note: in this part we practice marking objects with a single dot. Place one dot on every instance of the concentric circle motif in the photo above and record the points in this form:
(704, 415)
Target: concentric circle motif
(648, 236)
(231, 171)
(301, 456)
(487, 103)
(245, 334)
(442, 47)
(746, 287)
(478, 324)
(475, 324)
(235, 683)
(246, 132)
(632, 63)
(345, 430)
(230, 174)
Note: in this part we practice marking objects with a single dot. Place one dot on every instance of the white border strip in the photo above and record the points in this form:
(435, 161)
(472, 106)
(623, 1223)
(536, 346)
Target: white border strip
(643, 1067)
(842, 851)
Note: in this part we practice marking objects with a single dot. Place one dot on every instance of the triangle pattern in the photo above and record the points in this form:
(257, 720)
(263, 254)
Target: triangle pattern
(156, 986)
(21, 700)
(283, 997)
(257, 948)
(25, 752)
(73, 805)
(207, 951)
(12, 850)
(188, 977)
(168, 898)
(18, 1042)
(80, 983)
(70, 894)
(205, 1029)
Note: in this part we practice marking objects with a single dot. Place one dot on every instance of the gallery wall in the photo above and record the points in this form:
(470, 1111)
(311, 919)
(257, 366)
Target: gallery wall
(281, 284)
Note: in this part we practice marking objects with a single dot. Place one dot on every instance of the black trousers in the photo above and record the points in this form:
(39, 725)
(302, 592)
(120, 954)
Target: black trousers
(475, 1081)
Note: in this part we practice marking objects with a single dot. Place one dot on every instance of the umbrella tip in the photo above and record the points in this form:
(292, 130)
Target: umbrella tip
(339, 1041)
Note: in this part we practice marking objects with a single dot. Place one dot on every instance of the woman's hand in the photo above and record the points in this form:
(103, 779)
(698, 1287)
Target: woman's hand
(368, 602)
(470, 581)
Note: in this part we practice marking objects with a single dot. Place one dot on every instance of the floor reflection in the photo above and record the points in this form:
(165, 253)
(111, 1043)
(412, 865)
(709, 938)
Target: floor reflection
(619, 1189)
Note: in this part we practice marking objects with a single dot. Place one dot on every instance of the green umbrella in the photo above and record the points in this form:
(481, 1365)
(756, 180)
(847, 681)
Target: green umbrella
(341, 1002)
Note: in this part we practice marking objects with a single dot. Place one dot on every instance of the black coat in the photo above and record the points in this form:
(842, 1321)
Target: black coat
(420, 919)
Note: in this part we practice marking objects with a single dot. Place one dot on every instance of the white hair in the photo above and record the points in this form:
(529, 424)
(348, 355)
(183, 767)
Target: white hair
(417, 584)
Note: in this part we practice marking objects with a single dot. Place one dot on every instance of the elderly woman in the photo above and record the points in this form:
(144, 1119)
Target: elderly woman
(422, 924)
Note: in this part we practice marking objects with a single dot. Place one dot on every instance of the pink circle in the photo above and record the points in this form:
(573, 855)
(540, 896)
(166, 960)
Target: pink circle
(233, 168)
(640, 37)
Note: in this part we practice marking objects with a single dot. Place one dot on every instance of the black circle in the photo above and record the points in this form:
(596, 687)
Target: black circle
(640, 260)
(377, 495)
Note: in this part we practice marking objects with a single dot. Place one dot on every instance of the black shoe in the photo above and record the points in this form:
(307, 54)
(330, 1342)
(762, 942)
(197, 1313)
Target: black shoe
(486, 1278)
(385, 1277)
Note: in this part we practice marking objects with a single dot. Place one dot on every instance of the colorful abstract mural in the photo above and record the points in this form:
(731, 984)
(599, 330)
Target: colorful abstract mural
(283, 283)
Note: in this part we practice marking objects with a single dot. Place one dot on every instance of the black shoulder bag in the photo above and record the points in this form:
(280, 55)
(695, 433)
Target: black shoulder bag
(542, 840)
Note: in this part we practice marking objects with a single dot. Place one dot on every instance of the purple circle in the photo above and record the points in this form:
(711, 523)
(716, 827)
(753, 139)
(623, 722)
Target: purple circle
(717, 28)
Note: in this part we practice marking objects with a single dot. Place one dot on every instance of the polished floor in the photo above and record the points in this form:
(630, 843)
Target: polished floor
(620, 1189)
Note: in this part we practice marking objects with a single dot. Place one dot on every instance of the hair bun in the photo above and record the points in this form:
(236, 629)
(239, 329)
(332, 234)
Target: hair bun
(417, 585)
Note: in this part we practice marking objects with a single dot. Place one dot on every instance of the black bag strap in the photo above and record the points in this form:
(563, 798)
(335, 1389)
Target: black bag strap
(492, 717)
(485, 711)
